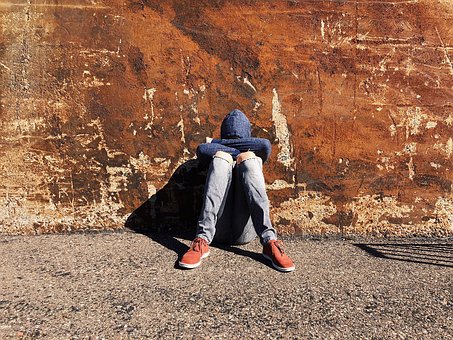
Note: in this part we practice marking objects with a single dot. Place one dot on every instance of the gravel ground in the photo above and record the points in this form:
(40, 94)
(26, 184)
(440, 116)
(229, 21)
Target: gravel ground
(126, 285)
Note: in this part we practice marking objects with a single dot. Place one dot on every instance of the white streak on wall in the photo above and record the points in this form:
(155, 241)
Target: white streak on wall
(181, 129)
(431, 125)
(449, 120)
(194, 109)
(392, 130)
(449, 147)
(247, 82)
(411, 168)
(282, 132)
(149, 96)
(322, 29)
(6, 67)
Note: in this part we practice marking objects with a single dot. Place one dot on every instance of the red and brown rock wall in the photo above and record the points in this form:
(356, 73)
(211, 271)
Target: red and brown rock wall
(102, 102)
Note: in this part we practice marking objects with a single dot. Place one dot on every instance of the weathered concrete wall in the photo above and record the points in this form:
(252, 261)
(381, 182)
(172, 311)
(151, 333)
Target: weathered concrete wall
(101, 101)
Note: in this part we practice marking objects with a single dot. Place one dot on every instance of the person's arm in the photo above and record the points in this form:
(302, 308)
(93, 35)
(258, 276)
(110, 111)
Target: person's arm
(206, 151)
(260, 146)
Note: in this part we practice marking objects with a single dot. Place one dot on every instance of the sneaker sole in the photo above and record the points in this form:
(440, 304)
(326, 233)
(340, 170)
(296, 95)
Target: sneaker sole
(281, 269)
(194, 265)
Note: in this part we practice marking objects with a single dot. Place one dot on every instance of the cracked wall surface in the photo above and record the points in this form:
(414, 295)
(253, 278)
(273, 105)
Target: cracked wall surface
(103, 104)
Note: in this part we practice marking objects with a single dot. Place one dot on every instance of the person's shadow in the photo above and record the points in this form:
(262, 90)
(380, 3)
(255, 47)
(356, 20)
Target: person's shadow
(172, 212)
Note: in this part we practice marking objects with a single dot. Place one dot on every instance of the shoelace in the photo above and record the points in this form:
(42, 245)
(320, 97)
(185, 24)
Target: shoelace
(198, 244)
(279, 245)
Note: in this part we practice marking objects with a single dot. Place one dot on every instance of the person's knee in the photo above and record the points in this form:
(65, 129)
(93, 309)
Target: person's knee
(224, 155)
(244, 156)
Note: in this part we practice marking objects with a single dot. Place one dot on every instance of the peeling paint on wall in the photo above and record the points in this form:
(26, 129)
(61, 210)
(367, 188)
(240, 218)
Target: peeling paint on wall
(371, 214)
(446, 148)
(148, 96)
(281, 131)
(443, 213)
(305, 213)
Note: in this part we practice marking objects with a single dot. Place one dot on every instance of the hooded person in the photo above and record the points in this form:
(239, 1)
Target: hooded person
(235, 137)
(235, 204)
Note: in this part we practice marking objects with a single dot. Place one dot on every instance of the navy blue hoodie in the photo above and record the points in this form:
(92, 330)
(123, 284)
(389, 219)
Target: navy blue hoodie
(235, 138)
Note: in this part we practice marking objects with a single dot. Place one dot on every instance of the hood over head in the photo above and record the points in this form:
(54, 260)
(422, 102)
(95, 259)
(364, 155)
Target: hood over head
(235, 125)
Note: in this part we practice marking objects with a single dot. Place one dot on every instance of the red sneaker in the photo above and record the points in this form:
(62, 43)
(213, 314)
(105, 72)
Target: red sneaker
(199, 250)
(273, 251)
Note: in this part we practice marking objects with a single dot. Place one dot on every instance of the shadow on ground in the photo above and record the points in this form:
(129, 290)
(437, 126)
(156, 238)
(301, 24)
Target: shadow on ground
(172, 212)
(438, 254)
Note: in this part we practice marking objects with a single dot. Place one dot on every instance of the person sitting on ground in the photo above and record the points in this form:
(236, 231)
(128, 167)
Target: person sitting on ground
(235, 204)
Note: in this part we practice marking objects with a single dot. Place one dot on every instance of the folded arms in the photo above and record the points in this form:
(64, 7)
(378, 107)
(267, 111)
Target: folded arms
(260, 146)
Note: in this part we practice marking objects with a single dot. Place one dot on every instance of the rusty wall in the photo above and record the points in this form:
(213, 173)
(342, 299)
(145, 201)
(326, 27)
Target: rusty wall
(102, 101)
